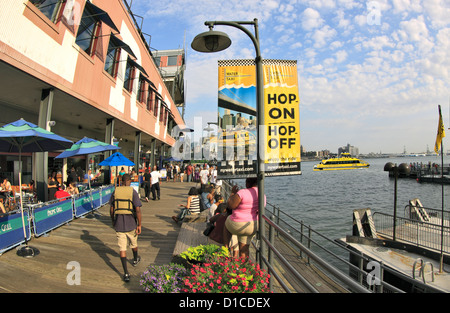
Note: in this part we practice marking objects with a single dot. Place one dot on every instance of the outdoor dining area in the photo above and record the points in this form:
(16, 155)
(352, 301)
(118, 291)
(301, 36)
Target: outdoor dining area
(23, 215)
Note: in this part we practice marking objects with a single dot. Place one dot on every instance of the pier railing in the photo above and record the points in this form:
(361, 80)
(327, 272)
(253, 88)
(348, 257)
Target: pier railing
(416, 232)
(292, 246)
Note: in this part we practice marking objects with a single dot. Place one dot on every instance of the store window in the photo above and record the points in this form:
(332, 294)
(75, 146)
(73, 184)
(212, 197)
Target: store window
(52, 9)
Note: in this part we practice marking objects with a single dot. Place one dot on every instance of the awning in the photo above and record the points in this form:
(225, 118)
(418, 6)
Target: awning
(119, 43)
(135, 64)
(101, 15)
(152, 85)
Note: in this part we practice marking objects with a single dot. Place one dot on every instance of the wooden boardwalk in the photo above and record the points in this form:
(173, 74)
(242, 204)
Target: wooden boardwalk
(92, 243)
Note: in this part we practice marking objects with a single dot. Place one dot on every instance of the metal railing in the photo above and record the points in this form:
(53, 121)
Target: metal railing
(421, 234)
(315, 250)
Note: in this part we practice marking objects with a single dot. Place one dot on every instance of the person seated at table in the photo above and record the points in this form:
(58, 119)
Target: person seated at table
(6, 189)
(61, 193)
(73, 189)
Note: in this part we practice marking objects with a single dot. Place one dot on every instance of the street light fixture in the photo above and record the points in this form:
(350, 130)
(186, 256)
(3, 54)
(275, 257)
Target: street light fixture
(214, 41)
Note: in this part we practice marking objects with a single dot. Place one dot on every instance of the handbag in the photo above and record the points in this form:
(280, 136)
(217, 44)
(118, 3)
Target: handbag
(209, 229)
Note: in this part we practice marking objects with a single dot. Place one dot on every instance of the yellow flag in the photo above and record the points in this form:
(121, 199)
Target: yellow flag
(440, 133)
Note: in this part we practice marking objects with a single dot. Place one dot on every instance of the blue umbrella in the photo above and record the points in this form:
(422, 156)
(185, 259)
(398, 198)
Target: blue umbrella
(86, 146)
(22, 136)
(117, 159)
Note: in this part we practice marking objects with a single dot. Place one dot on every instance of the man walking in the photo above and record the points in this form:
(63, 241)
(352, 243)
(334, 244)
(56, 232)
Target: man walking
(155, 176)
(126, 216)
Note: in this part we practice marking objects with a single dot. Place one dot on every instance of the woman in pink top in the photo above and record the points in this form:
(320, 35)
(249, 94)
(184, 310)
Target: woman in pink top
(243, 222)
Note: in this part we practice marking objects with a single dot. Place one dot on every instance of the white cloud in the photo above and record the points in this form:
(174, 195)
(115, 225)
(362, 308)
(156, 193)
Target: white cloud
(311, 19)
(372, 79)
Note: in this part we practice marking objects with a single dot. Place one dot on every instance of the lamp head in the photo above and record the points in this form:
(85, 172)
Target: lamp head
(388, 166)
(211, 41)
(404, 168)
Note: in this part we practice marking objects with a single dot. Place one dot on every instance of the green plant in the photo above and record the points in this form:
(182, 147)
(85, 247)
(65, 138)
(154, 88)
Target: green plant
(203, 253)
(227, 275)
(166, 278)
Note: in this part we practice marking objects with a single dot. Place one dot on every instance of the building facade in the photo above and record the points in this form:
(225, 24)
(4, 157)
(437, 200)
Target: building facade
(85, 66)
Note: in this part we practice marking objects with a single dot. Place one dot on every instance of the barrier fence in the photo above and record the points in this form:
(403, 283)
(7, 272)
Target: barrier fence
(43, 217)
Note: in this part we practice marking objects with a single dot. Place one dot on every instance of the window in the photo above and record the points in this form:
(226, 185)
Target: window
(129, 76)
(112, 59)
(172, 60)
(161, 114)
(150, 97)
(157, 61)
(155, 110)
(86, 36)
(141, 92)
(166, 113)
(52, 9)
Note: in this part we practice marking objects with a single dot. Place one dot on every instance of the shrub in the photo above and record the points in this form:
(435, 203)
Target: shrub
(163, 278)
(227, 275)
(203, 253)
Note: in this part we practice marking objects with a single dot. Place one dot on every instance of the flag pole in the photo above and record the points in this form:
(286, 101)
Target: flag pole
(441, 134)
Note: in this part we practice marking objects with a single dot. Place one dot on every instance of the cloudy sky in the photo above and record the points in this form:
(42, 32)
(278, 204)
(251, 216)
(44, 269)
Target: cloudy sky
(371, 74)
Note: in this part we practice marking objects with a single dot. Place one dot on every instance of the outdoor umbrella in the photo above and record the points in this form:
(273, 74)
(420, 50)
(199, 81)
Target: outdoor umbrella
(116, 159)
(86, 146)
(22, 136)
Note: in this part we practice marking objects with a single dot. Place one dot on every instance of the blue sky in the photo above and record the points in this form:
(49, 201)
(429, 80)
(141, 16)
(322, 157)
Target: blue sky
(370, 73)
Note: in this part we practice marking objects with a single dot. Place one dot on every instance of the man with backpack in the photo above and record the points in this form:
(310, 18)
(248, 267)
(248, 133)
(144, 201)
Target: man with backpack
(126, 216)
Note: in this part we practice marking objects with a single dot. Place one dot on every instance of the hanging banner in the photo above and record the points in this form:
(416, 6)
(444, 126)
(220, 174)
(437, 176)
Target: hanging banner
(281, 118)
(236, 140)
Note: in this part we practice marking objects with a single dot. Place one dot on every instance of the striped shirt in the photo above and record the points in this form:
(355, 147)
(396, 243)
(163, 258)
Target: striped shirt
(195, 205)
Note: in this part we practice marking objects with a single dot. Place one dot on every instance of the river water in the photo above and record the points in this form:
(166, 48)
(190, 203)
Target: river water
(325, 200)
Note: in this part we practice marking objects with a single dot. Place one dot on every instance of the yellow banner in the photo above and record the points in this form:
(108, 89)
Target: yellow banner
(281, 119)
(237, 119)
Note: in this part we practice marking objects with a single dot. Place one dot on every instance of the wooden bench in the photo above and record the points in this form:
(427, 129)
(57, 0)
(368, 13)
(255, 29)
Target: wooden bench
(191, 233)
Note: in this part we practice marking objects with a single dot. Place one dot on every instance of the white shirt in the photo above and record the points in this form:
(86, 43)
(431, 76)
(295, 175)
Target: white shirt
(213, 176)
(204, 176)
(155, 175)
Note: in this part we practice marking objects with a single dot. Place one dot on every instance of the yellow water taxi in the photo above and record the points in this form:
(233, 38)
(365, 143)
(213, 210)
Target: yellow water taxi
(344, 162)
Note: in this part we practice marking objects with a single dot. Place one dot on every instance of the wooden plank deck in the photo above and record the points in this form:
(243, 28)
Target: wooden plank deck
(92, 243)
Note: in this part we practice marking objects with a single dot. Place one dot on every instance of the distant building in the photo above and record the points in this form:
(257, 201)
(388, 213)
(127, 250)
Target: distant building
(354, 151)
(172, 64)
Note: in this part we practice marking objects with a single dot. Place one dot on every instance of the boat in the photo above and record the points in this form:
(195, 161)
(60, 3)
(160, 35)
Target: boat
(413, 258)
(344, 162)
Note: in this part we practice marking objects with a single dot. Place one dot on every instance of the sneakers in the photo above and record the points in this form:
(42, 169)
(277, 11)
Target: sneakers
(126, 277)
(136, 262)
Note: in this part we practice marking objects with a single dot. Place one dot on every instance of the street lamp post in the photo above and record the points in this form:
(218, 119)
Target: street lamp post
(214, 41)
(403, 168)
